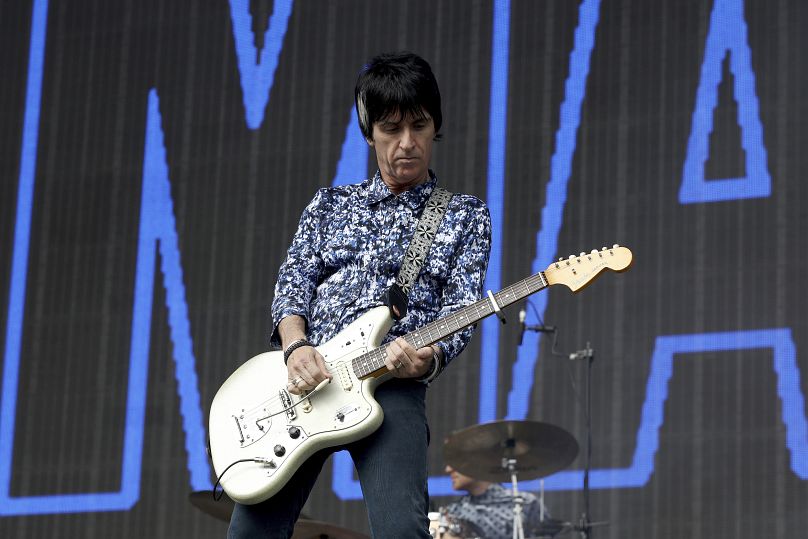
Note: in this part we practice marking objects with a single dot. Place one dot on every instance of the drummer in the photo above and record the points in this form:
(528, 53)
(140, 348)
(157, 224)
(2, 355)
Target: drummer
(489, 507)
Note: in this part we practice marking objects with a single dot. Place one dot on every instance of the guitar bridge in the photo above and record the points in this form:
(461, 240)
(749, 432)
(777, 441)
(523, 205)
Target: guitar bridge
(286, 400)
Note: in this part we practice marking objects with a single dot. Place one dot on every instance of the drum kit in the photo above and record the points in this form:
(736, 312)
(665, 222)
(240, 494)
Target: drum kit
(499, 451)
(506, 452)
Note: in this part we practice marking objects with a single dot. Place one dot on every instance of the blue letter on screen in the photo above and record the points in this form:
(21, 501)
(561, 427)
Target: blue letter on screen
(353, 160)
(727, 35)
(778, 340)
(553, 213)
(157, 226)
(256, 80)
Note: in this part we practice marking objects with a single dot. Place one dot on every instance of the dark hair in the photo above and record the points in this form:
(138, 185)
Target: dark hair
(396, 83)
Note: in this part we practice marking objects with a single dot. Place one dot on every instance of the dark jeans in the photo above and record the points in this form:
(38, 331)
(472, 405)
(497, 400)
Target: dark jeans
(392, 468)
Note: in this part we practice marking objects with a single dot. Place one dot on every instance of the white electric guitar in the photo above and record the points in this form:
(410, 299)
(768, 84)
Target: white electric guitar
(260, 433)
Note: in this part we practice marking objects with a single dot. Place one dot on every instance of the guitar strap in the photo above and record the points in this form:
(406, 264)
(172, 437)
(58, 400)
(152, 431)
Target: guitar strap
(397, 295)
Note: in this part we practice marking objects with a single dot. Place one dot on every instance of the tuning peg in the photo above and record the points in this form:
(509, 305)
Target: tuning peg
(594, 252)
(603, 249)
(615, 246)
(570, 257)
(561, 258)
(582, 254)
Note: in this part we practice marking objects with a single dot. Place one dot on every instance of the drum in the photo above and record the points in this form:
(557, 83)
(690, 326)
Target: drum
(442, 526)
(439, 525)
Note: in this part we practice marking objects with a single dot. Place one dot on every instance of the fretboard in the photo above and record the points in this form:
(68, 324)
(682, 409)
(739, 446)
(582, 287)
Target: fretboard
(437, 330)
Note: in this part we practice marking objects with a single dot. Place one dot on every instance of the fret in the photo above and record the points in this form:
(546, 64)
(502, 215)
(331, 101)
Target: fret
(371, 362)
(380, 354)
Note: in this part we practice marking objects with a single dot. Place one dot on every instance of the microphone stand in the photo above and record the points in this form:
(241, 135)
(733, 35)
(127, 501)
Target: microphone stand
(584, 525)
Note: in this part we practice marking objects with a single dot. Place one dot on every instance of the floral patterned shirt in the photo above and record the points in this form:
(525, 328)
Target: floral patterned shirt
(348, 249)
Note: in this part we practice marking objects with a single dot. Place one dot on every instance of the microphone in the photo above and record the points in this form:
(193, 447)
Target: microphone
(522, 317)
(586, 353)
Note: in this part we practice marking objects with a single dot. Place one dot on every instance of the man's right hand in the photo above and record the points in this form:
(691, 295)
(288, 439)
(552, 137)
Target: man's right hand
(306, 368)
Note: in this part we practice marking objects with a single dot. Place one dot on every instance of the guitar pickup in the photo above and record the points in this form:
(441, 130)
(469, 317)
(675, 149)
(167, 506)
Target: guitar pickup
(344, 376)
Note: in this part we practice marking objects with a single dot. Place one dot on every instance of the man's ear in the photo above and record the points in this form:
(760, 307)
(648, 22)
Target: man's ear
(369, 141)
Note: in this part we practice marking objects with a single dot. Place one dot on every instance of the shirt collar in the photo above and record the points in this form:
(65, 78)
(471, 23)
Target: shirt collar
(492, 491)
(414, 198)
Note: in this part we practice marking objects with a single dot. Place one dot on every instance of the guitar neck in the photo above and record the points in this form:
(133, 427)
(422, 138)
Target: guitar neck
(373, 361)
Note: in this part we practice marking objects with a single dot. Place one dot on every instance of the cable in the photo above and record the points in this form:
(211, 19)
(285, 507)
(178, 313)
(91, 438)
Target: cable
(219, 479)
(554, 349)
(263, 459)
(535, 311)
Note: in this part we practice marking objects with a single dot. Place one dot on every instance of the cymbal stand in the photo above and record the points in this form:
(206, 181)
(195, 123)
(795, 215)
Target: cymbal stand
(541, 500)
(518, 501)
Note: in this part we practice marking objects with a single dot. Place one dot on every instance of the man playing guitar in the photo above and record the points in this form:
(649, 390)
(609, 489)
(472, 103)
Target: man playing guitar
(345, 255)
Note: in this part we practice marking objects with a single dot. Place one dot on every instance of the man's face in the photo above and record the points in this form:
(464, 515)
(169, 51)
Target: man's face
(459, 481)
(403, 148)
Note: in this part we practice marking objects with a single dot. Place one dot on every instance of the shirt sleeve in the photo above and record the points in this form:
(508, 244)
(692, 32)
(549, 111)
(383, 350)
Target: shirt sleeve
(467, 275)
(301, 271)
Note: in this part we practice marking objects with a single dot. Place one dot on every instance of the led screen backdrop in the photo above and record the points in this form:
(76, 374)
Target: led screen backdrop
(155, 157)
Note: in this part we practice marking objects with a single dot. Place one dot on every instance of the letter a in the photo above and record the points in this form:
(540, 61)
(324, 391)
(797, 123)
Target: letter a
(727, 35)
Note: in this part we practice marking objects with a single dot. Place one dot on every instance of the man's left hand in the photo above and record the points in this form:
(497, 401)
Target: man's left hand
(407, 362)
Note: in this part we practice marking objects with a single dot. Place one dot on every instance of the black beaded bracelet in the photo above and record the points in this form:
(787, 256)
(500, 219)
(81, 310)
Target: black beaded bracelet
(294, 346)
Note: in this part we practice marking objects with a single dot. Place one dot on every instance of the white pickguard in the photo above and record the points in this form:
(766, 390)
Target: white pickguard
(248, 421)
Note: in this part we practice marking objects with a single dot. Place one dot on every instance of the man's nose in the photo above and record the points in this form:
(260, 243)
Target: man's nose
(407, 140)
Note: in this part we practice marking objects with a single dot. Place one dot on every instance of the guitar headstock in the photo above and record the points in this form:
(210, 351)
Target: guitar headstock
(577, 272)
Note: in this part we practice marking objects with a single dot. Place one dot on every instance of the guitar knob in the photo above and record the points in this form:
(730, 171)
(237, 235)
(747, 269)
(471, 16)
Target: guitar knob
(582, 253)
(594, 251)
(615, 246)
(279, 450)
(294, 433)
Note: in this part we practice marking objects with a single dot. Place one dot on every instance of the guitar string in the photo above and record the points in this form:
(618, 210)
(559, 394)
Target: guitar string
(272, 402)
(332, 369)
(366, 363)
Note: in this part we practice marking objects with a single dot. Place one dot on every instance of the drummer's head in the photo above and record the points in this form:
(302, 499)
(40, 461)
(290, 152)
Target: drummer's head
(475, 487)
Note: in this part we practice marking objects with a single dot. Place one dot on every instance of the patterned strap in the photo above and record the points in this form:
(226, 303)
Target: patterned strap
(422, 239)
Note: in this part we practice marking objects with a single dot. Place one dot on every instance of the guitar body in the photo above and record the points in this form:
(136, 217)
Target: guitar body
(248, 421)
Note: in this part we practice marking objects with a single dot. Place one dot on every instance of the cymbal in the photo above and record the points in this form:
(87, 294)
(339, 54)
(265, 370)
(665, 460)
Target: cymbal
(221, 509)
(304, 529)
(539, 449)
